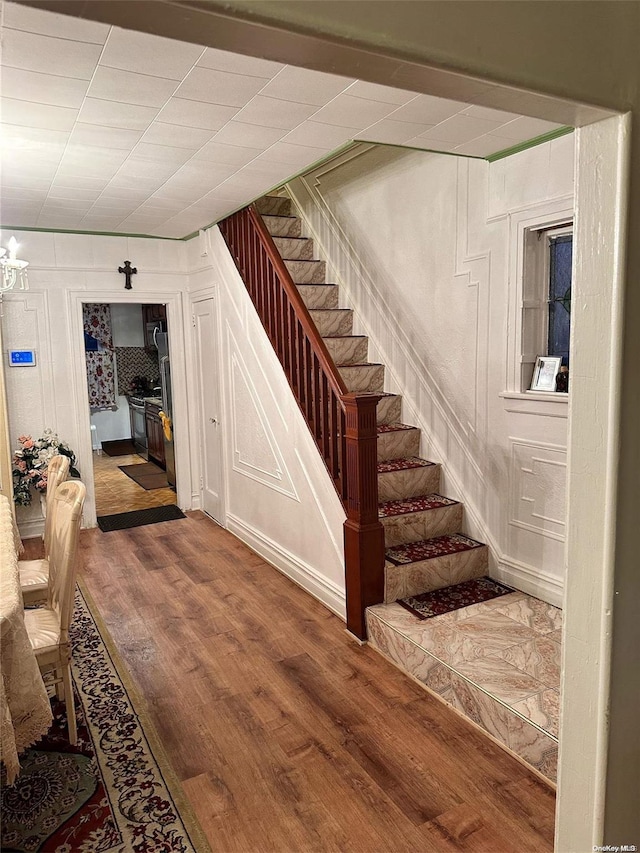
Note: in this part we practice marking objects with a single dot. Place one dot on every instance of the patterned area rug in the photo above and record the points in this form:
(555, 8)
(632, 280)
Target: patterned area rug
(113, 792)
(440, 601)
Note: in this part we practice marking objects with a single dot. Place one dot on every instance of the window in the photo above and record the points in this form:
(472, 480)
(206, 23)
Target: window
(546, 295)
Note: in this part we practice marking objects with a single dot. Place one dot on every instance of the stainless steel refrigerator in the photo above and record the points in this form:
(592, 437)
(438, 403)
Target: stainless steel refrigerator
(162, 342)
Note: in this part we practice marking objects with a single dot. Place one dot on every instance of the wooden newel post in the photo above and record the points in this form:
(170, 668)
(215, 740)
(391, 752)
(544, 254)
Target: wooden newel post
(363, 531)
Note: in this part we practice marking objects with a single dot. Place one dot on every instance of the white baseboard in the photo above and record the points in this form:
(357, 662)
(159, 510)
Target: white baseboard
(32, 528)
(531, 580)
(299, 572)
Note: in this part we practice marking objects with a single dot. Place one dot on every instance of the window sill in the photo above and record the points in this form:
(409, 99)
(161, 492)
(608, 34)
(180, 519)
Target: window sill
(532, 396)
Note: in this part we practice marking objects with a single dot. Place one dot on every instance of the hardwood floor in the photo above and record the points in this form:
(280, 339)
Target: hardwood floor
(286, 735)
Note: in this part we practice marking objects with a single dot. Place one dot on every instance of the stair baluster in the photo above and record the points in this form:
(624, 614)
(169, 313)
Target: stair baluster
(343, 424)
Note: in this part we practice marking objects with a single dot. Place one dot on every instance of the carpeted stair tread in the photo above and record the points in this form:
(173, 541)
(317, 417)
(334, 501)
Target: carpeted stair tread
(403, 464)
(440, 601)
(393, 427)
(388, 509)
(428, 549)
(361, 364)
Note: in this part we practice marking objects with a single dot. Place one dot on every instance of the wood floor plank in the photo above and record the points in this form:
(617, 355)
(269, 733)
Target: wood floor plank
(288, 736)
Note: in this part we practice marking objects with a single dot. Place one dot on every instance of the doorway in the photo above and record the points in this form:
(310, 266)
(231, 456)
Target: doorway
(129, 388)
(206, 343)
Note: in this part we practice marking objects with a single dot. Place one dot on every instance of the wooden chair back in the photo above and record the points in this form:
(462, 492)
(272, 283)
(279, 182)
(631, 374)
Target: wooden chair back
(57, 472)
(68, 504)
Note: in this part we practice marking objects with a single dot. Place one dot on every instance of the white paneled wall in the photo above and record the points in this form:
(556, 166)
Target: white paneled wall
(422, 246)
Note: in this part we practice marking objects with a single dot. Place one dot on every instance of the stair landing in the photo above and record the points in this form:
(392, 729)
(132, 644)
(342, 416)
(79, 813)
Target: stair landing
(497, 662)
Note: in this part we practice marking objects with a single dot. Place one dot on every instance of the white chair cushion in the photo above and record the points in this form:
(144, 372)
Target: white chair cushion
(43, 628)
(33, 572)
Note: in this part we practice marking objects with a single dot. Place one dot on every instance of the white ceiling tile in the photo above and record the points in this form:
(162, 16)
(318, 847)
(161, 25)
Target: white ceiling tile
(129, 50)
(66, 182)
(248, 135)
(35, 169)
(73, 193)
(182, 112)
(524, 128)
(164, 153)
(66, 206)
(315, 133)
(43, 88)
(427, 109)
(489, 113)
(271, 112)
(17, 215)
(48, 23)
(95, 135)
(35, 153)
(100, 223)
(219, 87)
(153, 170)
(160, 133)
(111, 84)
(17, 136)
(232, 155)
(306, 87)
(59, 222)
(127, 181)
(29, 114)
(140, 224)
(36, 52)
(233, 196)
(459, 129)
(353, 112)
(236, 63)
(392, 132)
(375, 92)
(137, 193)
(112, 114)
(158, 203)
(102, 163)
(24, 193)
(294, 156)
(482, 146)
(434, 145)
(27, 182)
(250, 185)
(197, 176)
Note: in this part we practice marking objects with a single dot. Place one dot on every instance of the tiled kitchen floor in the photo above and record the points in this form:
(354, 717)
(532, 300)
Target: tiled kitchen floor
(115, 492)
(498, 662)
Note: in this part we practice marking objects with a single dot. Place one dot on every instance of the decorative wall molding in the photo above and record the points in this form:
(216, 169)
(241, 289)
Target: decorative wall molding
(289, 564)
(538, 488)
(255, 452)
(530, 579)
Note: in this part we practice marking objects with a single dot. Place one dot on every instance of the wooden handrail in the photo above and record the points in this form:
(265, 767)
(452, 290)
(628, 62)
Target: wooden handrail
(343, 424)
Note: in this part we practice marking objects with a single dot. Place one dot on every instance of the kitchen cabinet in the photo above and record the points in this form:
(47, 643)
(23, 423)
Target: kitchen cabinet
(155, 434)
(153, 317)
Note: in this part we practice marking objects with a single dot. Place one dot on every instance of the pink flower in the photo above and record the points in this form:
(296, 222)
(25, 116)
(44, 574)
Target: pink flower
(23, 438)
(28, 443)
(21, 465)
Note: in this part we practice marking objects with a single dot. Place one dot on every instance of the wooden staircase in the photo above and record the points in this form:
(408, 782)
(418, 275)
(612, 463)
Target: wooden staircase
(424, 546)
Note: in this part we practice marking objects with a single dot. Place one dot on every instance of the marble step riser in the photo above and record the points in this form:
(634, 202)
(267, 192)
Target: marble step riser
(389, 411)
(425, 524)
(319, 295)
(348, 350)
(410, 483)
(307, 272)
(283, 226)
(426, 575)
(398, 444)
(274, 205)
(333, 323)
(291, 249)
(515, 733)
(363, 377)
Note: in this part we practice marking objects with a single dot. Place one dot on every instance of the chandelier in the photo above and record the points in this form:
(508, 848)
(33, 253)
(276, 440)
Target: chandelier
(14, 271)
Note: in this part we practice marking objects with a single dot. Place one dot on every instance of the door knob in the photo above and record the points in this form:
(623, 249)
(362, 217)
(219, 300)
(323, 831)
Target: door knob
(213, 421)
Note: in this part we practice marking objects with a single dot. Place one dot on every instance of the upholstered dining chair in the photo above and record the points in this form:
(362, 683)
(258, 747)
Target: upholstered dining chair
(48, 626)
(34, 574)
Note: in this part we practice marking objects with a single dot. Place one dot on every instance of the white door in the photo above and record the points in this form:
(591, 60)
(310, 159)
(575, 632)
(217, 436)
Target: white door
(206, 335)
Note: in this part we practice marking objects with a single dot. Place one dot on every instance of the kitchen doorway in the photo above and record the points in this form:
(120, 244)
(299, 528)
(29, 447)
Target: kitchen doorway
(130, 400)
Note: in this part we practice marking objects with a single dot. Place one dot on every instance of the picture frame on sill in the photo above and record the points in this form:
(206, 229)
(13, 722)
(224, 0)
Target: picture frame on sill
(544, 373)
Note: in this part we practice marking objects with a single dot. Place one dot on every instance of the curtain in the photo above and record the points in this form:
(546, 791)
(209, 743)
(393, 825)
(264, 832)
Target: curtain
(99, 356)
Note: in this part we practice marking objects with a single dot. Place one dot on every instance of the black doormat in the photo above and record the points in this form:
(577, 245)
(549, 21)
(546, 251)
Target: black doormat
(139, 517)
(121, 447)
(439, 601)
(147, 475)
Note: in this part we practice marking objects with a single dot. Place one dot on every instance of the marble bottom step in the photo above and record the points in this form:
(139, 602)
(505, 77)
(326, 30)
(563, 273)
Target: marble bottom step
(497, 662)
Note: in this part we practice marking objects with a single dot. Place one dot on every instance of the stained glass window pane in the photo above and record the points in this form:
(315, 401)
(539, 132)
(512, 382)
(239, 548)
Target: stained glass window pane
(560, 249)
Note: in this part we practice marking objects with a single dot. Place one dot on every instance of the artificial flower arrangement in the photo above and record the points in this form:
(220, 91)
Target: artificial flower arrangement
(31, 461)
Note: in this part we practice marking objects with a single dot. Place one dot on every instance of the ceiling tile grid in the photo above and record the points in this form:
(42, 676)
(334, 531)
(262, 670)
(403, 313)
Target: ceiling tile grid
(113, 130)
